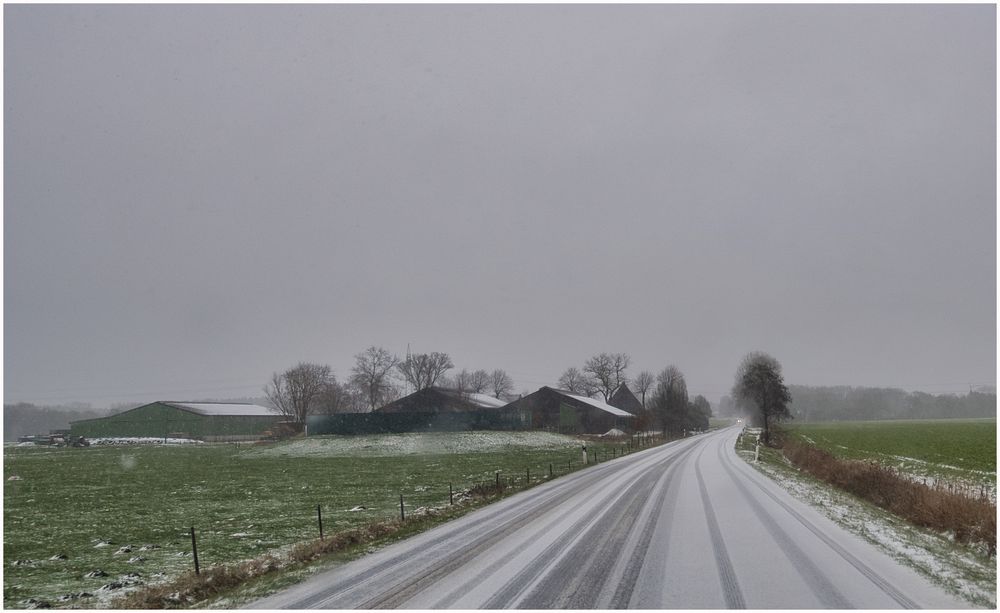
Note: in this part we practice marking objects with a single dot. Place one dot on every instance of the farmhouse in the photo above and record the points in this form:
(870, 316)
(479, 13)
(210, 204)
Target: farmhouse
(208, 421)
(441, 400)
(434, 409)
(556, 409)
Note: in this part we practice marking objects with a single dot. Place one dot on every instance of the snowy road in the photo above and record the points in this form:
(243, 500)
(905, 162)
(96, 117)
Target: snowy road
(685, 525)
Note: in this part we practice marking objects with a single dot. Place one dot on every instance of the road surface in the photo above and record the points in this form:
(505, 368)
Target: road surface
(684, 525)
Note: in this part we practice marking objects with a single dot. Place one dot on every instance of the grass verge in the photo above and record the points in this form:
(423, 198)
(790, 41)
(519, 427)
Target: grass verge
(970, 519)
(969, 573)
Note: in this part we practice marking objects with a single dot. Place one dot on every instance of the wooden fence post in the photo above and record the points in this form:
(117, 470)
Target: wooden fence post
(194, 549)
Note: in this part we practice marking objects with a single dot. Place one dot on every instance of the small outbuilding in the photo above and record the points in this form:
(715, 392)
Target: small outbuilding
(564, 411)
(207, 421)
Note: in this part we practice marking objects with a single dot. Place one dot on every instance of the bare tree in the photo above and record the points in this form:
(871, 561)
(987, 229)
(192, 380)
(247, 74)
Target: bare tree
(643, 382)
(501, 383)
(422, 370)
(334, 398)
(671, 399)
(480, 382)
(295, 392)
(355, 399)
(759, 382)
(371, 375)
(608, 370)
(701, 411)
(462, 381)
(573, 380)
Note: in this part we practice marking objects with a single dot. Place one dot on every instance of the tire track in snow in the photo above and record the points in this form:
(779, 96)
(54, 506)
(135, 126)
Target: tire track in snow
(828, 595)
(453, 541)
(727, 576)
(630, 575)
(451, 561)
(490, 570)
(889, 589)
(590, 561)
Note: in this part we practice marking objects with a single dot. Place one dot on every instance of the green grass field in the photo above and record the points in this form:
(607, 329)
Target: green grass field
(242, 502)
(949, 449)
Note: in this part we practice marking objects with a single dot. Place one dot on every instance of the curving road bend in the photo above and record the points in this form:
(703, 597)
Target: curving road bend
(684, 525)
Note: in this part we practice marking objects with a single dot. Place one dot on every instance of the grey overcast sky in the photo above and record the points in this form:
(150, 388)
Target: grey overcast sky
(198, 196)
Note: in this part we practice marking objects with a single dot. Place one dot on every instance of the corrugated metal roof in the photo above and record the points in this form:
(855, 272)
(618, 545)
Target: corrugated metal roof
(225, 408)
(485, 401)
(598, 404)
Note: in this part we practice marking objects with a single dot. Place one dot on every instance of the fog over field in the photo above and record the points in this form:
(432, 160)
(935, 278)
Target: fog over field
(199, 196)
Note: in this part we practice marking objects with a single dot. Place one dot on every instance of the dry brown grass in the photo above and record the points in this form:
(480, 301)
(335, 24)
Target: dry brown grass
(190, 588)
(971, 519)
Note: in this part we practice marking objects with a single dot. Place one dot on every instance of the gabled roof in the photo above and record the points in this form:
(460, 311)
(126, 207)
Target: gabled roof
(487, 402)
(205, 409)
(437, 399)
(223, 408)
(594, 403)
(624, 399)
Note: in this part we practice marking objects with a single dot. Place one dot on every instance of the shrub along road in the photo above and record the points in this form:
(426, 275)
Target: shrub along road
(685, 525)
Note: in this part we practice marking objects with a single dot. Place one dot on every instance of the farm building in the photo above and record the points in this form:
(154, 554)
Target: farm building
(434, 409)
(556, 409)
(441, 400)
(624, 399)
(208, 421)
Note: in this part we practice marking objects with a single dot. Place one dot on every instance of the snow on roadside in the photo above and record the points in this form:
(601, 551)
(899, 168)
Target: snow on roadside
(414, 443)
(955, 568)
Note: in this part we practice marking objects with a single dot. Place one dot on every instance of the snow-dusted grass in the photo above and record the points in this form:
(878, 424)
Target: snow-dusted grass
(414, 443)
(128, 441)
(963, 571)
(121, 510)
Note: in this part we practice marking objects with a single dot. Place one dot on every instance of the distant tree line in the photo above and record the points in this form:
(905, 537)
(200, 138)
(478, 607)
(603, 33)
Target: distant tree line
(842, 403)
(23, 418)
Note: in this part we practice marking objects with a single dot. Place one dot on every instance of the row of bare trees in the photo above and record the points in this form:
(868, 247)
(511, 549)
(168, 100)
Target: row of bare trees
(377, 378)
(604, 373)
(664, 397)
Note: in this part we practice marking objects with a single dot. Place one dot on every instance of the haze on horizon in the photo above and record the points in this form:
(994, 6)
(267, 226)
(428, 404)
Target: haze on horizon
(198, 196)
